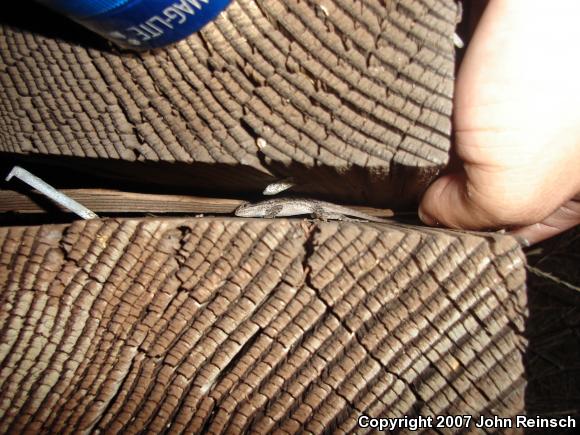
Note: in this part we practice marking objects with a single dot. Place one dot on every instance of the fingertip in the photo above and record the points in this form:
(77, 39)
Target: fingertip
(522, 241)
(425, 217)
(435, 204)
(532, 234)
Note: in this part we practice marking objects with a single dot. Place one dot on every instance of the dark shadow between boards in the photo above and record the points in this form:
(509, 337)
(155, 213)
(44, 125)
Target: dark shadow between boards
(35, 18)
(351, 186)
(552, 357)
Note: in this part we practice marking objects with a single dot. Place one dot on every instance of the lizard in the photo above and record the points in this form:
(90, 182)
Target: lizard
(284, 207)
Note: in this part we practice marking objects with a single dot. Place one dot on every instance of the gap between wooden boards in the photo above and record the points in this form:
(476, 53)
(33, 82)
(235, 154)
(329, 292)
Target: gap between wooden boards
(115, 201)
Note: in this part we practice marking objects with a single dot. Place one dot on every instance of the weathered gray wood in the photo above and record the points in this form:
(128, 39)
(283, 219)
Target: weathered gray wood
(223, 325)
(313, 90)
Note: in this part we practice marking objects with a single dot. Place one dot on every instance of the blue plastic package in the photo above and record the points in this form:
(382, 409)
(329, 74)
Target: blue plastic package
(140, 24)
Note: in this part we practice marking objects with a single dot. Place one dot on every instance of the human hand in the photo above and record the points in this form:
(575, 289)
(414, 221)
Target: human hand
(516, 125)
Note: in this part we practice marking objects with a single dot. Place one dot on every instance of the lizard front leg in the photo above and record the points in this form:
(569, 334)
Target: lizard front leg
(273, 211)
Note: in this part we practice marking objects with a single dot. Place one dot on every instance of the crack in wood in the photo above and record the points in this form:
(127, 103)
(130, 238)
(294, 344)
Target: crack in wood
(179, 325)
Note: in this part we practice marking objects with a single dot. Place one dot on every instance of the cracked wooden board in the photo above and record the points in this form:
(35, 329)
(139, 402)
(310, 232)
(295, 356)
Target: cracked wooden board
(312, 90)
(220, 325)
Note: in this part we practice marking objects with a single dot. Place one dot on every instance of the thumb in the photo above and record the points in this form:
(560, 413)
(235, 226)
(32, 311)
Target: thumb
(447, 202)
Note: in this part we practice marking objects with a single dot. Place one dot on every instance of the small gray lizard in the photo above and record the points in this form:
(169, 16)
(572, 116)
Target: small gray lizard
(284, 207)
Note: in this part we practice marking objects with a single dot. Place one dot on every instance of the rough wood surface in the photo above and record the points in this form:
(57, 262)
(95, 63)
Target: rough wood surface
(222, 325)
(281, 87)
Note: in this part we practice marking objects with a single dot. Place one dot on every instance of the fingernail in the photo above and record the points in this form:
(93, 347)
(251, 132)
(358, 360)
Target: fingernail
(524, 243)
(426, 218)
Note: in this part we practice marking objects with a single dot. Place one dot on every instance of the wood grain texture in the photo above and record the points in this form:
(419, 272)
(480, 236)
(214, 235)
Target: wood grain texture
(219, 326)
(282, 87)
(118, 201)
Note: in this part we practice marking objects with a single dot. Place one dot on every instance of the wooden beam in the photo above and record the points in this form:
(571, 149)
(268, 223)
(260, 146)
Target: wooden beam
(360, 91)
(225, 325)
(116, 201)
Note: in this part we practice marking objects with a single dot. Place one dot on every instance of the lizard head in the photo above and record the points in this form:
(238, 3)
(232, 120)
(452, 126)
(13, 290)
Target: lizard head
(250, 210)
